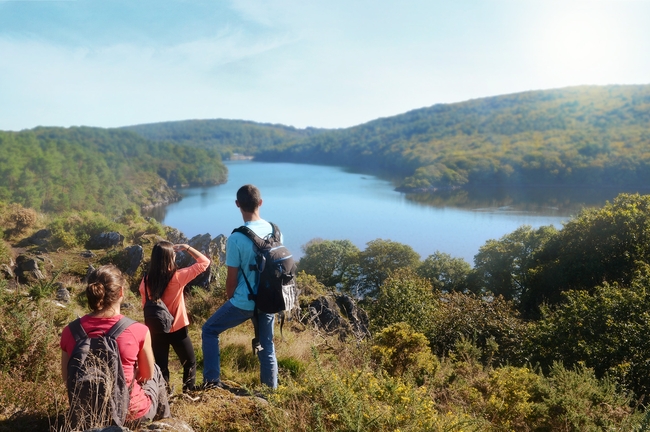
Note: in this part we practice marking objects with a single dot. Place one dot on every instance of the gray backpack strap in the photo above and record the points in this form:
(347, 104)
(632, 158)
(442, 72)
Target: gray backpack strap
(77, 330)
(119, 327)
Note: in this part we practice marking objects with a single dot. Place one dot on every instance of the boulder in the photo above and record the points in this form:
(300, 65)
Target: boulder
(164, 425)
(40, 237)
(88, 254)
(27, 269)
(339, 314)
(134, 256)
(105, 240)
(62, 293)
(175, 236)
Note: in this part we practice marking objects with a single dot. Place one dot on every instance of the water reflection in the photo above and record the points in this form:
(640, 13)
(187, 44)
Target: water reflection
(543, 201)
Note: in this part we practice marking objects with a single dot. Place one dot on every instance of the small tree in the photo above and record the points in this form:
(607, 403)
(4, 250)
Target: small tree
(444, 272)
(332, 262)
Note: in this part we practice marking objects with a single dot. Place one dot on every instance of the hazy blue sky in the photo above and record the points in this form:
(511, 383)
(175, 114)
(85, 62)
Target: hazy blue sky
(333, 63)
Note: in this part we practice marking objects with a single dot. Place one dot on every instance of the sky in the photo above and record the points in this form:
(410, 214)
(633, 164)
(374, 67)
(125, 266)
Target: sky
(302, 63)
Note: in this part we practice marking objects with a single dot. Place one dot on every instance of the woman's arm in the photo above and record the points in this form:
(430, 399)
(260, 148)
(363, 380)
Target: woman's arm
(145, 360)
(186, 274)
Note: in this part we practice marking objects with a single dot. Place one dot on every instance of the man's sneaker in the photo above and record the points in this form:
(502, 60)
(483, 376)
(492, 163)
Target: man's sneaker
(209, 385)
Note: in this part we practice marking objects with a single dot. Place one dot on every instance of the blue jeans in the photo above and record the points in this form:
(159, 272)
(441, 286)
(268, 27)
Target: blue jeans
(229, 316)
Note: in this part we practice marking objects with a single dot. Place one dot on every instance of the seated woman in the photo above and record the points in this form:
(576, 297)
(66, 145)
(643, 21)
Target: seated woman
(105, 292)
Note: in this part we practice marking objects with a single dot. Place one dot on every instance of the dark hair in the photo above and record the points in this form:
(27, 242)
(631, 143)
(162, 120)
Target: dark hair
(249, 197)
(104, 287)
(161, 269)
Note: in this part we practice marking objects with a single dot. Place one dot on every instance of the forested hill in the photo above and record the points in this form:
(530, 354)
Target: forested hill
(589, 135)
(573, 136)
(227, 136)
(106, 170)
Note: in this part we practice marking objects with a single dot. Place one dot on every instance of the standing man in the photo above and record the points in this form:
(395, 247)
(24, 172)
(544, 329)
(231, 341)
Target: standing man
(240, 255)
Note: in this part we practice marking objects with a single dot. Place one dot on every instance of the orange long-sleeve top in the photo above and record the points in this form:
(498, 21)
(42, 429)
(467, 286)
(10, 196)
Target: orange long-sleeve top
(173, 295)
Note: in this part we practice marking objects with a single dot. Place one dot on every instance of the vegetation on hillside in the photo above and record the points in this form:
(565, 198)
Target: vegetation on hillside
(595, 136)
(225, 136)
(452, 348)
(61, 169)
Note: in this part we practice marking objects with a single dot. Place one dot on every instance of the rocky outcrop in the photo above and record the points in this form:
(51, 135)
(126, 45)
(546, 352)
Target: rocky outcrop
(133, 258)
(28, 269)
(164, 425)
(339, 314)
(105, 240)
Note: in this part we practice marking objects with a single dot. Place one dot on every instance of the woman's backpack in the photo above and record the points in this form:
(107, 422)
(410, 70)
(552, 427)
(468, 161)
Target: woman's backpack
(97, 389)
(157, 316)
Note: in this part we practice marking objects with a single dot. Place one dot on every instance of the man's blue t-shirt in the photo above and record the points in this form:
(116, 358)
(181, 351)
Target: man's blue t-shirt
(240, 252)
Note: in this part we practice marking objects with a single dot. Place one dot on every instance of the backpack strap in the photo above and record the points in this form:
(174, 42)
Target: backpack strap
(257, 240)
(119, 327)
(77, 330)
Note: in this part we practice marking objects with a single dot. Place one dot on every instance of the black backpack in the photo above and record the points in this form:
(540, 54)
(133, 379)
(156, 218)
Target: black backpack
(97, 389)
(276, 273)
(156, 314)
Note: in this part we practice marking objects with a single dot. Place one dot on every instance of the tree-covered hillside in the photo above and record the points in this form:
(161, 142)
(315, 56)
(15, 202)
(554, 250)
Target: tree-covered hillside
(57, 169)
(227, 136)
(572, 136)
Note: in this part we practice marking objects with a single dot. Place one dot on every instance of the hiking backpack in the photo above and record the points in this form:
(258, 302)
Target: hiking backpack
(275, 270)
(97, 389)
(156, 314)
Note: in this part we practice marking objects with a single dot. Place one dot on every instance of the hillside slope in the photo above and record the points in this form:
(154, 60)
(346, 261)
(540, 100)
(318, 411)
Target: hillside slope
(107, 170)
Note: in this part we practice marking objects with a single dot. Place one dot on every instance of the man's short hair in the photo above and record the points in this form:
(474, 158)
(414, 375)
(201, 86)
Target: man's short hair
(249, 198)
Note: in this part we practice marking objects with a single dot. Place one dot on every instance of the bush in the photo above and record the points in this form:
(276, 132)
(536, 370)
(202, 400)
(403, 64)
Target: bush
(75, 229)
(17, 220)
(404, 297)
(492, 324)
(402, 352)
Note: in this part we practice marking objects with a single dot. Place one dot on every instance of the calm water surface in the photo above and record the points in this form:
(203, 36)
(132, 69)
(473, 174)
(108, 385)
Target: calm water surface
(308, 201)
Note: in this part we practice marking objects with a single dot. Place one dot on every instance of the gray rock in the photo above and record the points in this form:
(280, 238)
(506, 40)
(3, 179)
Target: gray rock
(169, 425)
(27, 269)
(63, 295)
(219, 248)
(105, 240)
(40, 237)
(175, 236)
(88, 272)
(88, 254)
(339, 315)
(134, 257)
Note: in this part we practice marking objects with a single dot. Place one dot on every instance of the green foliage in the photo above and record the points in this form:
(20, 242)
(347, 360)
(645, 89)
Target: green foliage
(28, 337)
(75, 229)
(80, 168)
(576, 400)
(225, 136)
(404, 297)
(377, 261)
(594, 136)
(493, 325)
(5, 252)
(502, 266)
(401, 351)
(445, 272)
(605, 330)
(332, 262)
(599, 245)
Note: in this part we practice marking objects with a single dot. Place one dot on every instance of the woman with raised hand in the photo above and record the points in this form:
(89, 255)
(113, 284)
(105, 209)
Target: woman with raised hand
(166, 282)
(105, 292)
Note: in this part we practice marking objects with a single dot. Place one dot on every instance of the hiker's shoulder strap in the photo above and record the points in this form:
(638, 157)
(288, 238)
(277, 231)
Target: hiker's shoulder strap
(77, 330)
(119, 327)
(276, 234)
(257, 240)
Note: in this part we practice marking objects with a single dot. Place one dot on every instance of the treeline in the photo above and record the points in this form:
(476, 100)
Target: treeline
(595, 136)
(107, 170)
(225, 136)
(579, 296)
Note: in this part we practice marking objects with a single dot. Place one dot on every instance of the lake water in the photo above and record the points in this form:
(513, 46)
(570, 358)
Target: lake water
(310, 201)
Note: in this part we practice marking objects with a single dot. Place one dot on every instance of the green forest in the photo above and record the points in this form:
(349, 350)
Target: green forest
(58, 169)
(577, 136)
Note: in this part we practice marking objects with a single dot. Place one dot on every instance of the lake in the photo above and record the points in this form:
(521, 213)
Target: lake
(311, 201)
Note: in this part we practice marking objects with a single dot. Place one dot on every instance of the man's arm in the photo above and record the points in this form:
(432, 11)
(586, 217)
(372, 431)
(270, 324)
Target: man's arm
(231, 281)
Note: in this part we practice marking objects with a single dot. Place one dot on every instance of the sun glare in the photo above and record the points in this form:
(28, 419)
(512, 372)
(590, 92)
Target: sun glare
(582, 42)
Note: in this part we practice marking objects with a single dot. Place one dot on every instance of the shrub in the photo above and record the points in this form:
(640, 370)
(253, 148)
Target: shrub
(492, 324)
(401, 351)
(75, 229)
(404, 297)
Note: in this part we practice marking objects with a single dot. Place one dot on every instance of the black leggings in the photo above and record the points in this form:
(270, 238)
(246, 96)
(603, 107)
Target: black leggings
(182, 344)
